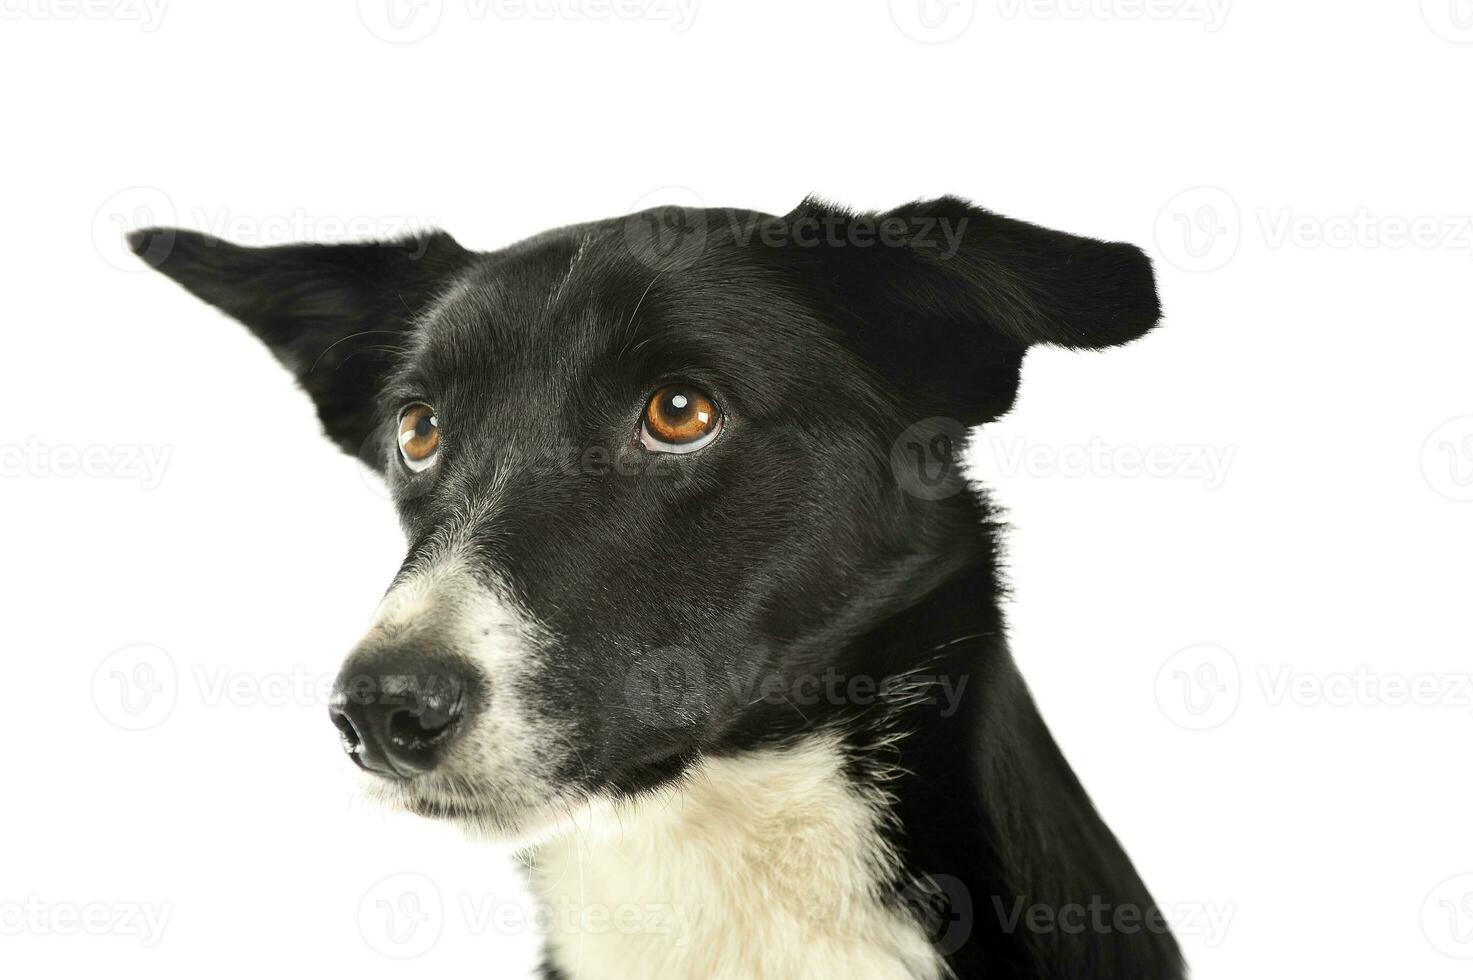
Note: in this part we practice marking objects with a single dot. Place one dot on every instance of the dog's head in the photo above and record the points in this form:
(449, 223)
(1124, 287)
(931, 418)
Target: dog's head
(647, 466)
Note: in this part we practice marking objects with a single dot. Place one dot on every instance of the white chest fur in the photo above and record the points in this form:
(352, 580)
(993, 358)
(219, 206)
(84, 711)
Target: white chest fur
(763, 866)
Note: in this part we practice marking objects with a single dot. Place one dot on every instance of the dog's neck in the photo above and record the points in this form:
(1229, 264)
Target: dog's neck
(902, 840)
(766, 865)
(992, 822)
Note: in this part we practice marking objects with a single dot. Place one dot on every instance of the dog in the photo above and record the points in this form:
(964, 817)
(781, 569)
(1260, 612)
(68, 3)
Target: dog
(698, 608)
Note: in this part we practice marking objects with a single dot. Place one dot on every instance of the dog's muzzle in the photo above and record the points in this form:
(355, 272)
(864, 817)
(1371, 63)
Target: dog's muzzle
(399, 711)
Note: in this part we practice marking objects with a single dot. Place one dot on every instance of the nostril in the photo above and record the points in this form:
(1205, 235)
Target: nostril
(351, 738)
(408, 731)
(425, 723)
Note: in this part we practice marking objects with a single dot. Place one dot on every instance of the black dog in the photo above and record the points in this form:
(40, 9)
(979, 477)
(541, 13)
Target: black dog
(696, 605)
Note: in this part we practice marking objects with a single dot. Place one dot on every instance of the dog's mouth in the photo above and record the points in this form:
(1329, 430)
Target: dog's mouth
(435, 809)
(445, 796)
(485, 818)
(484, 810)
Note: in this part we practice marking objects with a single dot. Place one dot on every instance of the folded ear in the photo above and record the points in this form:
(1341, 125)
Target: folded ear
(332, 314)
(945, 297)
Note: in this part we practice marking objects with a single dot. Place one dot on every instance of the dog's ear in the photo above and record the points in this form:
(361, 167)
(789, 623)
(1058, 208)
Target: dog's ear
(945, 297)
(332, 314)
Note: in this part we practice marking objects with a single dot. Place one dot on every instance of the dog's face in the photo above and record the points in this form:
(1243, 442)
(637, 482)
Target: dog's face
(645, 490)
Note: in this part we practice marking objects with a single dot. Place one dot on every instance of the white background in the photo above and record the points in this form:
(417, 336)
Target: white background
(1222, 650)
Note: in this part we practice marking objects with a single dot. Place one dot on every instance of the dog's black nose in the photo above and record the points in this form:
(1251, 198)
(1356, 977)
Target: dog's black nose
(399, 713)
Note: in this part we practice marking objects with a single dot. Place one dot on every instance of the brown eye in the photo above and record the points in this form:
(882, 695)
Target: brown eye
(419, 436)
(679, 418)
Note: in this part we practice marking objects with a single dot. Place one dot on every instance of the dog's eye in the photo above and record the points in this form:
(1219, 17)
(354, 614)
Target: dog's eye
(679, 418)
(419, 436)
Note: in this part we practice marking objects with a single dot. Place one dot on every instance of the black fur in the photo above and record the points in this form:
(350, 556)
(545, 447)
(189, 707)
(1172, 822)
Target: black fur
(315, 306)
(791, 546)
